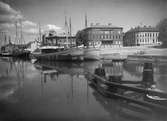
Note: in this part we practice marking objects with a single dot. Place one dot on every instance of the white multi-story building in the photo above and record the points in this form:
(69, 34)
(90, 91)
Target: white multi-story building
(142, 36)
(107, 36)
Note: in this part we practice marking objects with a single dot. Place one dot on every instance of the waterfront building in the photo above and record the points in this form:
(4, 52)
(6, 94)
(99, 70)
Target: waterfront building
(141, 36)
(103, 35)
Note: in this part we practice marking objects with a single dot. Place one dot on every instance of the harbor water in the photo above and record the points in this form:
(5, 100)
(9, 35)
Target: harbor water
(61, 91)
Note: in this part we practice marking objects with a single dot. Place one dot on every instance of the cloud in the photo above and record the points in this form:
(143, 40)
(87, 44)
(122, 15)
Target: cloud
(31, 31)
(6, 25)
(52, 27)
(32, 28)
(29, 23)
(8, 16)
(6, 9)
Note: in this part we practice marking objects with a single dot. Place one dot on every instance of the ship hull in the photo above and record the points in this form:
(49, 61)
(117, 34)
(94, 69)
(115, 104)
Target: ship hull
(71, 54)
(22, 54)
(92, 54)
(5, 54)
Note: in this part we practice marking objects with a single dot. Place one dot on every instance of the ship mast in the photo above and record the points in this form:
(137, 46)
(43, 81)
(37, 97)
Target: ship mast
(70, 31)
(5, 39)
(86, 21)
(66, 30)
(21, 31)
(40, 32)
(16, 38)
(9, 39)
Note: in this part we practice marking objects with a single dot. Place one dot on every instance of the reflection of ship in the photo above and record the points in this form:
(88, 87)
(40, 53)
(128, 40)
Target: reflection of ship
(11, 77)
(49, 72)
(7, 87)
(134, 68)
(61, 67)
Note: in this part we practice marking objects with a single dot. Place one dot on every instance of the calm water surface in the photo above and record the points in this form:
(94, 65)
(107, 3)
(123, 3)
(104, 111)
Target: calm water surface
(60, 91)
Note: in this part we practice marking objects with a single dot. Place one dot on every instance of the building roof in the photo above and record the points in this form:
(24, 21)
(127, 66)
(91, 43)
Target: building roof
(144, 29)
(55, 36)
(98, 26)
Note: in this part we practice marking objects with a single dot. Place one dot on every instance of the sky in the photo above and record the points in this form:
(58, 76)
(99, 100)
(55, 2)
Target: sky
(51, 14)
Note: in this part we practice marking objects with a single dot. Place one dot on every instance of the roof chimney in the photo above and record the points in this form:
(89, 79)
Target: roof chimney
(109, 24)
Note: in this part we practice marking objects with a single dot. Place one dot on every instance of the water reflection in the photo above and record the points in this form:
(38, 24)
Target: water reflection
(11, 76)
(122, 111)
(61, 91)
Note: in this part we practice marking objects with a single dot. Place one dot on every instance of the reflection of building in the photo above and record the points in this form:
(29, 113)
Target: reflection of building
(106, 35)
(70, 68)
(116, 69)
(140, 36)
(134, 69)
(59, 40)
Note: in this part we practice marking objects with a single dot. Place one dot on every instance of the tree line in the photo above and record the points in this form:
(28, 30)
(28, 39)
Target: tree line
(162, 26)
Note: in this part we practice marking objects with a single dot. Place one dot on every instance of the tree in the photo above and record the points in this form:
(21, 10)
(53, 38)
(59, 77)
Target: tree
(162, 26)
(78, 39)
(81, 38)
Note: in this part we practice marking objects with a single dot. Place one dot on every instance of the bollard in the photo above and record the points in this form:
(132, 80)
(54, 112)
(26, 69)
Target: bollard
(148, 78)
